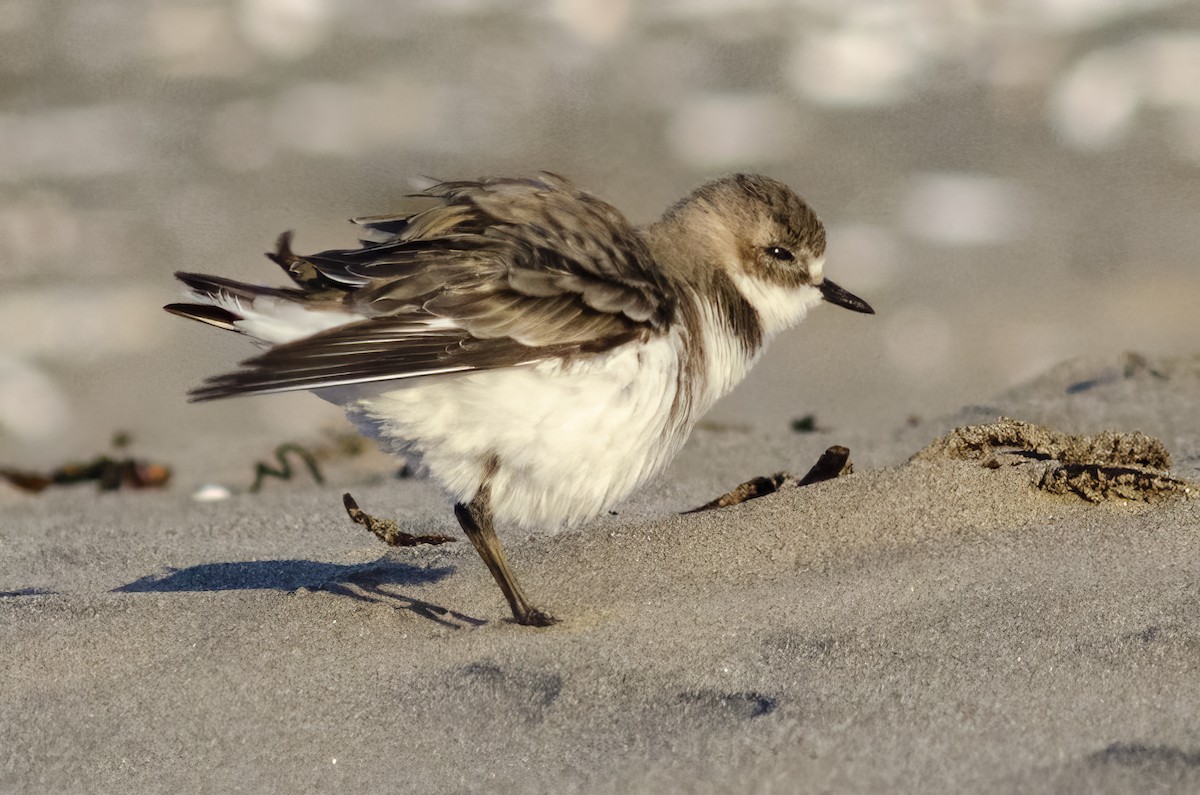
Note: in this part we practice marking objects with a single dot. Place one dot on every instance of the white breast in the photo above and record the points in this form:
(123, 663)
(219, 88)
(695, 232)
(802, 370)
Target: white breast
(571, 439)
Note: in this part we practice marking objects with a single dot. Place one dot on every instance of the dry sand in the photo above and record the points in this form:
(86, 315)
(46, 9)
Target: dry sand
(924, 627)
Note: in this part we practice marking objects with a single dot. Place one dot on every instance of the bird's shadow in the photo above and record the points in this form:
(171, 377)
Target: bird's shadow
(364, 582)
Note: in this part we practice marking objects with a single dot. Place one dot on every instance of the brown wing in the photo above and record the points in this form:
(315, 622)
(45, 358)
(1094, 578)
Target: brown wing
(496, 273)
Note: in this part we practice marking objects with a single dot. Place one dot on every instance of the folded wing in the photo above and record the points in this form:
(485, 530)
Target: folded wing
(493, 273)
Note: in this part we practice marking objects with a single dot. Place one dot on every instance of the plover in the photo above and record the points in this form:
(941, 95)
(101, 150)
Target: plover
(534, 352)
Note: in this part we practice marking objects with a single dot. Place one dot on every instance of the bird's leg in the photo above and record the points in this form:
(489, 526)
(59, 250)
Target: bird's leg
(476, 521)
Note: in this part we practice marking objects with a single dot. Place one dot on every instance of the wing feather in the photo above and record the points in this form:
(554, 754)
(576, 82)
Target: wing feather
(496, 273)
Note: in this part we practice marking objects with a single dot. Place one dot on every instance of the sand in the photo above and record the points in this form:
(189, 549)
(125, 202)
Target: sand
(938, 625)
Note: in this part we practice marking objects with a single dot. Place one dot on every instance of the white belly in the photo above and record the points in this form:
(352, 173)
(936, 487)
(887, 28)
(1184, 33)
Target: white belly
(570, 440)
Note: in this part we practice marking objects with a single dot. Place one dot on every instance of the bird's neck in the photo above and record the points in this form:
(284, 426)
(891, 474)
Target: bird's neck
(724, 317)
(722, 336)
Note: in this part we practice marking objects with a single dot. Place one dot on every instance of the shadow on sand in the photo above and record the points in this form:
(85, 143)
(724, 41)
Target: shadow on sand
(363, 582)
(282, 575)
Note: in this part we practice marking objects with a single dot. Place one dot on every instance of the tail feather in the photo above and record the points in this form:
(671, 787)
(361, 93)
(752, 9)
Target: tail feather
(268, 315)
(206, 313)
(219, 287)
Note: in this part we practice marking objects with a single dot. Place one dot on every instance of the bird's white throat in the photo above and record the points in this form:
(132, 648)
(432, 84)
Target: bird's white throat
(780, 307)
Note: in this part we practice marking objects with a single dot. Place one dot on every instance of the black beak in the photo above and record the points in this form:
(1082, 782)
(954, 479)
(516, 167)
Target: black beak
(836, 295)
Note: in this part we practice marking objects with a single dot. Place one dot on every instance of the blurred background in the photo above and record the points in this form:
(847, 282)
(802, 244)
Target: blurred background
(1011, 183)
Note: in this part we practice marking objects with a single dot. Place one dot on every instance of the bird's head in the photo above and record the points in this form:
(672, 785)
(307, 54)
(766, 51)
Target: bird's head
(768, 241)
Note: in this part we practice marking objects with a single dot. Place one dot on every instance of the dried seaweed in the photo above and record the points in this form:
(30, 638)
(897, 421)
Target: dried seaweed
(107, 472)
(1107, 466)
(284, 471)
(833, 463)
(386, 530)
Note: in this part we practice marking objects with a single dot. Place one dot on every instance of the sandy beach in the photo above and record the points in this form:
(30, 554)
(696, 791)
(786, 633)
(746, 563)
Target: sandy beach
(1012, 187)
(911, 627)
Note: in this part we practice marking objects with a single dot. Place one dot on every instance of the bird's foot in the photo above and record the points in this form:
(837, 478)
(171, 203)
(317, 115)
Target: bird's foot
(533, 617)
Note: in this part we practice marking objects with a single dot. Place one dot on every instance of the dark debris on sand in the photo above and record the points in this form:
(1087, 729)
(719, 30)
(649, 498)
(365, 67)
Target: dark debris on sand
(109, 473)
(1107, 466)
(834, 462)
(386, 530)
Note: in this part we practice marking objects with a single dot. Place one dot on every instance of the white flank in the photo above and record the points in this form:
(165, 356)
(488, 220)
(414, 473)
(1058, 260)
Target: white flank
(572, 438)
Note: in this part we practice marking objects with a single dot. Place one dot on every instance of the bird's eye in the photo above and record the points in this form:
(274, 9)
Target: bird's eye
(779, 253)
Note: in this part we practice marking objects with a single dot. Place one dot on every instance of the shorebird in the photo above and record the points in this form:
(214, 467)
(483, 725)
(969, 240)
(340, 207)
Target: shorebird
(521, 341)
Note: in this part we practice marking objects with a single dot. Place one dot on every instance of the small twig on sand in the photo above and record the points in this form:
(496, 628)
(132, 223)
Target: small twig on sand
(833, 463)
(386, 530)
